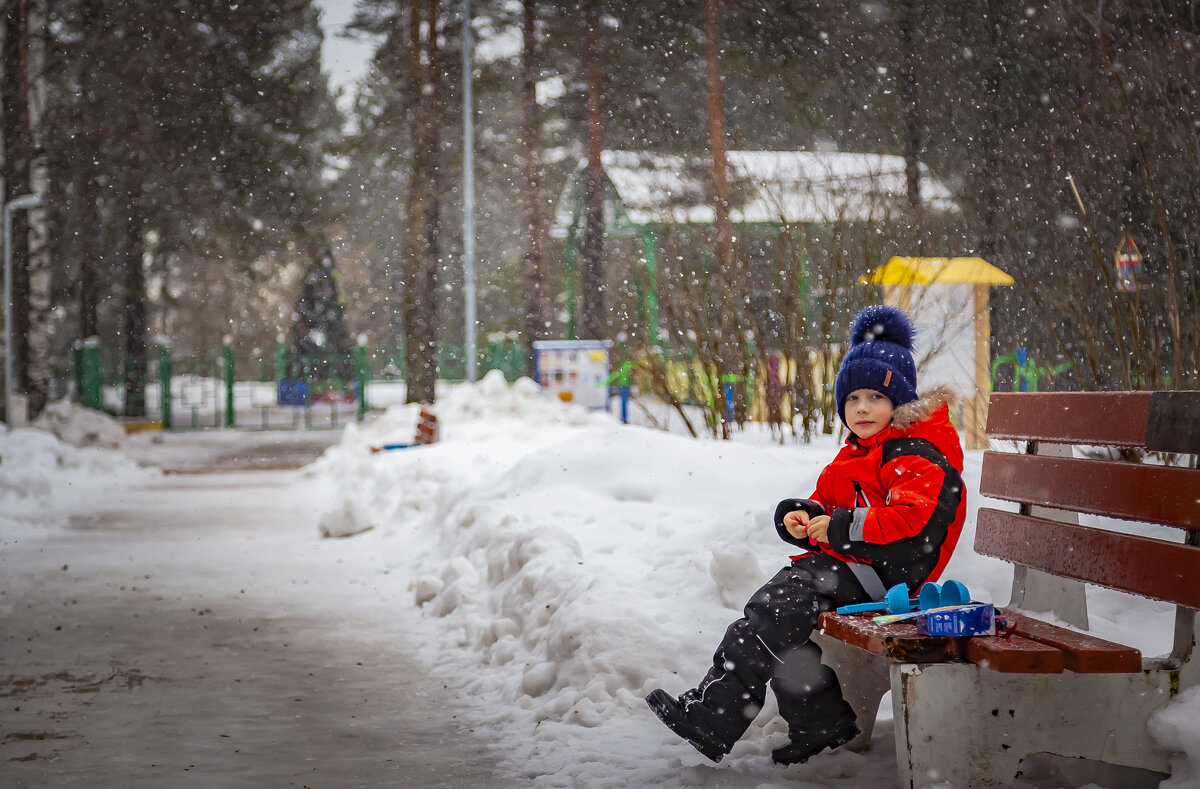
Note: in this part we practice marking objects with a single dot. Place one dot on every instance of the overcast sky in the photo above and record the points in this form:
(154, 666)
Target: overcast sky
(345, 59)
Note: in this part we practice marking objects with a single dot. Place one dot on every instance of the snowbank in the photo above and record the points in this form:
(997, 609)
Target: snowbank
(1174, 728)
(80, 427)
(40, 472)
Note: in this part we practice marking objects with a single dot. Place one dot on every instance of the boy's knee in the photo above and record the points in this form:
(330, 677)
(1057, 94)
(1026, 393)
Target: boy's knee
(784, 611)
(801, 672)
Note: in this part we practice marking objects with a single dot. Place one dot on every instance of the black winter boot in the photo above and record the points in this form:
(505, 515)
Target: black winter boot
(806, 744)
(672, 713)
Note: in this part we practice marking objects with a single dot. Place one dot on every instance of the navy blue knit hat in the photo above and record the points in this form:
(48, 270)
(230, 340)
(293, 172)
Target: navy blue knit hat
(880, 358)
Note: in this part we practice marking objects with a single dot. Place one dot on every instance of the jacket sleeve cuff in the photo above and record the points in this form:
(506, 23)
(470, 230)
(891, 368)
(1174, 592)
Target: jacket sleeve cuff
(792, 505)
(846, 528)
(840, 522)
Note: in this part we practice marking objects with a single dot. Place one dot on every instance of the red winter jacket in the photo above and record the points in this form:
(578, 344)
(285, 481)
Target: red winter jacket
(896, 500)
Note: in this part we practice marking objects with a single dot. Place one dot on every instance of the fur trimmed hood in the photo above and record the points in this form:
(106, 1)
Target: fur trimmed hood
(927, 402)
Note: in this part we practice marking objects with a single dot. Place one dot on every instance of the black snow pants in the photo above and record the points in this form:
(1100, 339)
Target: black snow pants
(770, 644)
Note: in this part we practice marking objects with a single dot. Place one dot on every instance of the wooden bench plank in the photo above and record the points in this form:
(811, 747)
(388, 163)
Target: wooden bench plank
(1174, 422)
(1070, 417)
(898, 640)
(1138, 491)
(1013, 655)
(1153, 568)
(1082, 653)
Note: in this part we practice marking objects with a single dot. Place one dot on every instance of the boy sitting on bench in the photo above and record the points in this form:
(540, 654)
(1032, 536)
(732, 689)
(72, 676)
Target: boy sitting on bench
(887, 510)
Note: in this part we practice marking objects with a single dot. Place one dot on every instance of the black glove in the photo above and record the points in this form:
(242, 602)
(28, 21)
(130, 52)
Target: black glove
(792, 505)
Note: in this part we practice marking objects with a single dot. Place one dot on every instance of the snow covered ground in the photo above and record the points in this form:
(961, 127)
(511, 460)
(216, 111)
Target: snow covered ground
(564, 565)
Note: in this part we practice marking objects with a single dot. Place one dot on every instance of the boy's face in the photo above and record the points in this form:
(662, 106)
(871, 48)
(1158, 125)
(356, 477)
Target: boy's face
(868, 412)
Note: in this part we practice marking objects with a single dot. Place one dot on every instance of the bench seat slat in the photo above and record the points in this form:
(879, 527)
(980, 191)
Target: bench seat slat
(899, 641)
(1013, 655)
(1140, 565)
(1070, 417)
(1138, 491)
(1082, 653)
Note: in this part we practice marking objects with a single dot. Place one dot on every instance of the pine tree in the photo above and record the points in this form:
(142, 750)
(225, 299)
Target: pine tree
(319, 344)
(185, 134)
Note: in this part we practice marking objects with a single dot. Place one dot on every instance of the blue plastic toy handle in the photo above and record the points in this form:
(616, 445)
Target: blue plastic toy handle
(862, 608)
(896, 601)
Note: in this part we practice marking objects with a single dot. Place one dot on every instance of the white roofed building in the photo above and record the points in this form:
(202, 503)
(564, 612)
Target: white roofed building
(649, 195)
(766, 187)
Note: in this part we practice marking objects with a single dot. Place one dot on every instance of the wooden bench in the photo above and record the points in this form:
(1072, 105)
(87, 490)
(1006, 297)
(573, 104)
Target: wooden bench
(969, 710)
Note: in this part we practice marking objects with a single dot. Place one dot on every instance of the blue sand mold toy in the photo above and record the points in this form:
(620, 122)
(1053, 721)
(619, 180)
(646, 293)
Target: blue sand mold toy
(897, 601)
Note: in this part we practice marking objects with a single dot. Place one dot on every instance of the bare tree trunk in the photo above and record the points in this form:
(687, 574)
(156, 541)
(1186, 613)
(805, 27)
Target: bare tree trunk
(414, 235)
(7, 143)
(37, 240)
(89, 256)
(90, 226)
(420, 304)
(433, 198)
(723, 280)
(594, 325)
(134, 308)
(989, 134)
(16, 178)
(907, 79)
(537, 311)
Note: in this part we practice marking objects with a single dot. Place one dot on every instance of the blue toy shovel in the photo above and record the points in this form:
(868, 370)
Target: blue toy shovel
(897, 601)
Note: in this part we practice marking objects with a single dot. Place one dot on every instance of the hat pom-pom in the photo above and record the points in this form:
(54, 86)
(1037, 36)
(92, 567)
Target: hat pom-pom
(881, 323)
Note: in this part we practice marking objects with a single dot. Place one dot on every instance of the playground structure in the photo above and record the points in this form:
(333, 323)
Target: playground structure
(1025, 371)
(937, 293)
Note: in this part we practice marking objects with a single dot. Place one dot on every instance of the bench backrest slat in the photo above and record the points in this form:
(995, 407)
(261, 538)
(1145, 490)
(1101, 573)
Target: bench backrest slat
(1158, 421)
(1174, 422)
(1141, 565)
(1135, 491)
(1116, 419)
(1147, 492)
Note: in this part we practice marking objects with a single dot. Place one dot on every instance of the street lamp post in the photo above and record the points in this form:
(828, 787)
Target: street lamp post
(16, 204)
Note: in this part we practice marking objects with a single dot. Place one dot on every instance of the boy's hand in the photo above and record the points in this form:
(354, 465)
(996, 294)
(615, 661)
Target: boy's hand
(796, 523)
(800, 526)
(818, 529)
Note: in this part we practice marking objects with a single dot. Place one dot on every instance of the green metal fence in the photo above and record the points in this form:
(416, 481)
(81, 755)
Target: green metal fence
(266, 390)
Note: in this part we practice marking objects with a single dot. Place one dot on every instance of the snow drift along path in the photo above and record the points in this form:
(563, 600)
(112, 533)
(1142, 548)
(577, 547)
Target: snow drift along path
(193, 631)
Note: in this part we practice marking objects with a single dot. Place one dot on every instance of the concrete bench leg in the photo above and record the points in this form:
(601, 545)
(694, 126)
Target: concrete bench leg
(972, 727)
(941, 731)
(864, 680)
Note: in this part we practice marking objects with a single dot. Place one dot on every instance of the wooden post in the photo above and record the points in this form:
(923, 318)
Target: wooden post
(898, 296)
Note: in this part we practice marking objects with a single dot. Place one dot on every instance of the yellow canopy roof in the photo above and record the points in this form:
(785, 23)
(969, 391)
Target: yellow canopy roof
(947, 271)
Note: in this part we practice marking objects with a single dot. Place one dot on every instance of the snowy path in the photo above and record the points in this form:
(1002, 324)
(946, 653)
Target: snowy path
(195, 631)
